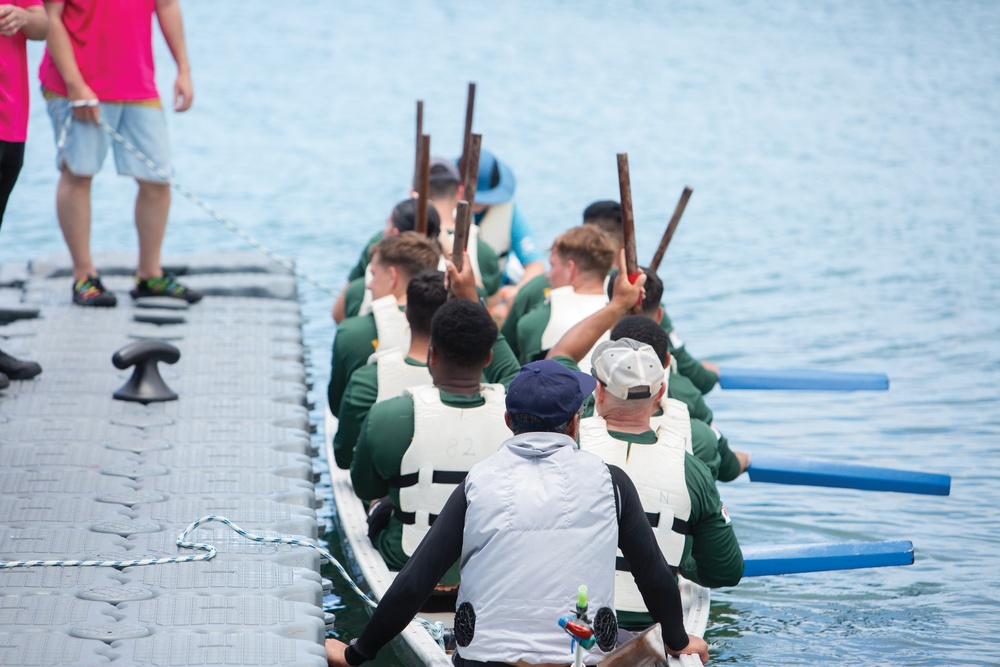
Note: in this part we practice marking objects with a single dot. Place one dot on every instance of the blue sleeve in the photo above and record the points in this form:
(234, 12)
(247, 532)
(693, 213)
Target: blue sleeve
(521, 240)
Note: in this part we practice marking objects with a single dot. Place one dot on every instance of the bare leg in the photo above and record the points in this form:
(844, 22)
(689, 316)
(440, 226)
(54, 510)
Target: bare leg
(152, 206)
(73, 211)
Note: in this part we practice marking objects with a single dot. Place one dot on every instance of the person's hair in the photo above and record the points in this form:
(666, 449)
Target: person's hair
(588, 247)
(442, 190)
(463, 333)
(528, 423)
(606, 215)
(409, 252)
(404, 218)
(424, 295)
(644, 330)
(653, 291)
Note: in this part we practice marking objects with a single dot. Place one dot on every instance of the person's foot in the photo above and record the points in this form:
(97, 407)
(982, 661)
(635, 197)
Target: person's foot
(165, 285)
(4, 381)
(91, 292)
(17, 369)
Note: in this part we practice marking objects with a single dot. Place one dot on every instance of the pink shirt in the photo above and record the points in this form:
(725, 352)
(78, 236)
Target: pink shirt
(113, 44)
(14, 81)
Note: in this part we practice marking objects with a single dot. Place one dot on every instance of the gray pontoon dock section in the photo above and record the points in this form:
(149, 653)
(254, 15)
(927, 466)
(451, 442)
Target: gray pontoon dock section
(86, 477)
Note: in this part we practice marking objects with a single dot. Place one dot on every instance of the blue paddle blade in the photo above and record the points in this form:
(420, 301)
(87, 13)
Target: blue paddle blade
(795, 558)
(787, 470)
(800, 380)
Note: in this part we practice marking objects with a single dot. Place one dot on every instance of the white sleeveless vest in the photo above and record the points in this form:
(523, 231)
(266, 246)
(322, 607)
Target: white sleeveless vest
(446, 443)
(495, 227)
(658, 474)
(567, 309)
(391, 327)
(395, 375)
(540, 521)
(675, 420)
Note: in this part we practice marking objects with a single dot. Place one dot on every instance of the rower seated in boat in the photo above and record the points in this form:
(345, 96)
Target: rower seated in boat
(528, 525)
(677, 491)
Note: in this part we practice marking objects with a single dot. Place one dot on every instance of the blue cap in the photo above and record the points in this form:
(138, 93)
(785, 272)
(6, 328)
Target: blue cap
(495, 181)
(550, 391)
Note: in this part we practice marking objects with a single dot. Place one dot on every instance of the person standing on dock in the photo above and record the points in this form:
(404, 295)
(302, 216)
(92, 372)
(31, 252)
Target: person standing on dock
(97, 73)
(20, 21)
(528, 525)
(691, 524)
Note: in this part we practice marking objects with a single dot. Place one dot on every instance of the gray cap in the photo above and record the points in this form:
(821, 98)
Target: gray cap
(444, 171)
(627, 368)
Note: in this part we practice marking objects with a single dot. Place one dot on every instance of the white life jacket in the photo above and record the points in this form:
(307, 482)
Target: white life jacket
(566, 309)
(540, 521)
(391, 327)
(658, 474)
(494, 228)
(446, 443)
(366, 300)
(675, 419)
(395, 375)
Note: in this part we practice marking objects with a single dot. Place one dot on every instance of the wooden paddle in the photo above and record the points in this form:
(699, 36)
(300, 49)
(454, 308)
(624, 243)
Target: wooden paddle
(628, 224)
(671, 228)
(463, 162)
(472, 177)
(462, 218)
(423, 183)
(420, 133)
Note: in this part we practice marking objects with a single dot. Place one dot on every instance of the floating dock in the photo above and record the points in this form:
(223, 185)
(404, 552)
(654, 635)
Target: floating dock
(85, 477)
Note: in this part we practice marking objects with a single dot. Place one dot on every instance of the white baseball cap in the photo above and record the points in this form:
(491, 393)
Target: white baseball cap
(627, 368)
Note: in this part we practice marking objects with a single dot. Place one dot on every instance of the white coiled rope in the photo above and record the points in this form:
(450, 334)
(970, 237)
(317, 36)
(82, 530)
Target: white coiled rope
(436, 630)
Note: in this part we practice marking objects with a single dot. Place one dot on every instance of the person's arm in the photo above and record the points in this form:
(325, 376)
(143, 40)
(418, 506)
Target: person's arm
(489, 268)
(703, 378)
(339, 310)
(438, 551)
(716, 558)
(652, 575)
(579, 340)
(385, 435)
(168, 13)
(359, 397)
(503, 367)
(732, 463)
(705, 446)
(352, 346)
(61, 50)
(682, 389)
(31, 21)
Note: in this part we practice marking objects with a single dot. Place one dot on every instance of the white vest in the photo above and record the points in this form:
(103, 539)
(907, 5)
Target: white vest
(392, 329)
(567, 309)
(675, 420)
(495, 228)
(446, 443)
(658, 474)
(540, 521)
(395, 375)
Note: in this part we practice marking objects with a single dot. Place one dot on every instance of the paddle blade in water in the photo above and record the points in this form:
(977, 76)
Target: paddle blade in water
(800, 380)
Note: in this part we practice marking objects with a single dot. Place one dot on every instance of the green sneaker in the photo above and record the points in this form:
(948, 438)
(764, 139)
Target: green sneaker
(91, 292)
(165, 285)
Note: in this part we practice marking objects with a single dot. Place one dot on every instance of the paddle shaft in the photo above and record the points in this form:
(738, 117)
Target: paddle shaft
(462, 218)
(628, 222)
(423, 190)
(797, 558)
(463, 162)
(800, 380)
(420, 133)
(675, 220)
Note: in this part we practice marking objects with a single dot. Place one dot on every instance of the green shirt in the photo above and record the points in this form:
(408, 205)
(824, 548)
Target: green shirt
(534, 292)
(489, 268)
(688, 366)
(385, 436)
(712, 555)
(355, 341)
(681, 388)
(362, 390)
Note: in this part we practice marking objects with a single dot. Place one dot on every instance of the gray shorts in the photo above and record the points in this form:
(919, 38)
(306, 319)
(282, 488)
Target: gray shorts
(86, 144)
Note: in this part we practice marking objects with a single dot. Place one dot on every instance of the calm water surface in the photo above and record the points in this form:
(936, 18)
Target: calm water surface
(844, 158)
